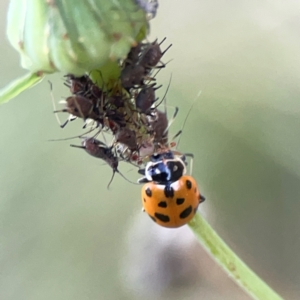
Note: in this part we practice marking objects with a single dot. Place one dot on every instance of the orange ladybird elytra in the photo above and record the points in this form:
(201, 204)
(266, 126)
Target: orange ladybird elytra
(174, 204)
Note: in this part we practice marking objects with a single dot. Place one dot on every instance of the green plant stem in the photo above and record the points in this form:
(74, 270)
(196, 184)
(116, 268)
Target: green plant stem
(230, 262)
(19, 85)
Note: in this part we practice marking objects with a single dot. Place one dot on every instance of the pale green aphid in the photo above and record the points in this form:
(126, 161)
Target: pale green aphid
(58, 36)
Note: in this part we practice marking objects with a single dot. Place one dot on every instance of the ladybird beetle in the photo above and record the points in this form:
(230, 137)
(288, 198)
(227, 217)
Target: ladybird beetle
(170, 198)
(173, 204)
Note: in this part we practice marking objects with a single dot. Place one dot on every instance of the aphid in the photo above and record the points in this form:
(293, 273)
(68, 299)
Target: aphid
(152, 55)
(78, 106)
(127, 137)
(144, 145)
(78, 85)
(146, 98)
(93, 108)
(81, 107)
(98, 149)
(116, 100)
(132, 76)
(160, 128)
(133, 55)
(158, 121)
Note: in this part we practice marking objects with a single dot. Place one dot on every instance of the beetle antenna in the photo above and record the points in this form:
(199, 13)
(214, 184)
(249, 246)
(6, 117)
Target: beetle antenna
(164, 97)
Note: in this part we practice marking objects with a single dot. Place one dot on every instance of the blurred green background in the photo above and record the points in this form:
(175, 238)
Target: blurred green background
(63, 235)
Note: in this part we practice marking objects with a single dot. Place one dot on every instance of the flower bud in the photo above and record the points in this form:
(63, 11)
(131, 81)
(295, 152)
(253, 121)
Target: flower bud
(73, 37)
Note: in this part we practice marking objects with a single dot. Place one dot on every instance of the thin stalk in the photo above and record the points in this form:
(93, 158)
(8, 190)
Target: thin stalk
(230, 262)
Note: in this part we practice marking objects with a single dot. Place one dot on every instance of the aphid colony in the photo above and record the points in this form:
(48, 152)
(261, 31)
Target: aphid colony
(127, 108)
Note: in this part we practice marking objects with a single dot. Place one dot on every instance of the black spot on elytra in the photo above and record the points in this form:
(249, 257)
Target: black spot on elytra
(144, 199)
(162, 218)
(195, 190)
(188, 184)
(162, 204)
(186, 212)
(148, 192)
(153, 219)
(169, 191)
(179, 201)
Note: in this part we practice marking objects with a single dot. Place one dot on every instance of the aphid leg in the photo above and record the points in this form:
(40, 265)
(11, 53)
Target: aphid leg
(173, 143)
(125, 177)
(76, 146)
(103, 135)
(54, 107)
(117, 171)
(170, 123)
(73, 137)
(64, 124)
(111, 179)
(87, 122)
(187, 115)
(156, 73)
(164, 99)
(72, 118)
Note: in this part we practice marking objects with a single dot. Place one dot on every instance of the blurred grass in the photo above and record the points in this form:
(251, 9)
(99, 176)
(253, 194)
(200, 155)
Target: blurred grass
(61, 228)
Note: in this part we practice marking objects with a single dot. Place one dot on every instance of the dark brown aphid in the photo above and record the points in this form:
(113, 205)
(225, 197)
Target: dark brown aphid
(86, 102)
(76, 106)
(152, 55)
(85, 108)
(116, 117)
(78, 85)
(95, 93)
(133, 76)
(134, 54)
(127, 137)
(81, 107)
(146, 98)
(84, 86)
(98, 149)
(116, 100)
